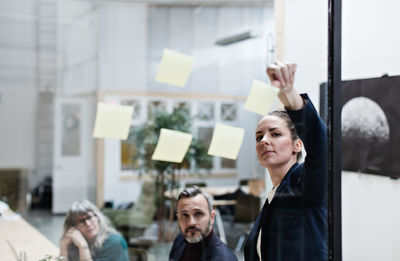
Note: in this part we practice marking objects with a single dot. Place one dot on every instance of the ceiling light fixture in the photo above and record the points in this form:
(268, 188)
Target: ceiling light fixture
(235, 38)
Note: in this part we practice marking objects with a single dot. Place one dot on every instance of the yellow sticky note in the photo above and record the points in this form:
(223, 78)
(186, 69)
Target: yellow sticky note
(112, 121)
(226, 141)
(175, 68)
(261, 98)
(172, 146)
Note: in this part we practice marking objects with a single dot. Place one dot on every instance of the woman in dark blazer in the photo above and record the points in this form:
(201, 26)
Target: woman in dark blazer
(292, 224)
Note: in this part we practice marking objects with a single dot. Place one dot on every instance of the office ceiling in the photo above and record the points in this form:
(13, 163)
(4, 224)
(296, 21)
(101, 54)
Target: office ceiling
(192, 2)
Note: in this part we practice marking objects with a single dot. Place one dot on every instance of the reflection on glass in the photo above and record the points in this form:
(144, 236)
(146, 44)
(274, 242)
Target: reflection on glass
(121, 64)
(71, 115)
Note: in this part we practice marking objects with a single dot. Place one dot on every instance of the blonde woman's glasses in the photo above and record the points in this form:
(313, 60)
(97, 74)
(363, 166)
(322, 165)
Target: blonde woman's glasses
(82, 222)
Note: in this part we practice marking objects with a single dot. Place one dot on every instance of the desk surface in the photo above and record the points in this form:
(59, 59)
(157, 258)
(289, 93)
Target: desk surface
(23, 237)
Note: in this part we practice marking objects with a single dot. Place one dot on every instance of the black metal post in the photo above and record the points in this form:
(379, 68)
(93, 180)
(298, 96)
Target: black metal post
(334, 130)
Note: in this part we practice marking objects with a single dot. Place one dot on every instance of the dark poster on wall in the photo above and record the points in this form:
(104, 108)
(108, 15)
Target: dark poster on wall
(370, 125)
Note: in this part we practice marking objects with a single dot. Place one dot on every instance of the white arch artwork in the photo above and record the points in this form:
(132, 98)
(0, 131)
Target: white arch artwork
(364, 118)
(365, 135)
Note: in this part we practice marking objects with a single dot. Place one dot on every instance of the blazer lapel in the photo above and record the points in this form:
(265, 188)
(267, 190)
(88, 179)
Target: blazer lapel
(251, 245)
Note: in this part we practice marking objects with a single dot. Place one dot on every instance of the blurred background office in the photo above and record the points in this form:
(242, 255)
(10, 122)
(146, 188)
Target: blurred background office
(59, 58)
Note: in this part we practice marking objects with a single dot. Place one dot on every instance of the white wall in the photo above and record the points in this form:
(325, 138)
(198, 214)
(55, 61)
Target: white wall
(371, 44)
(306, 42)
(122, 44)
(17, 117)
(370, 48)
(77, 47)
(371, 214)
(17, 85)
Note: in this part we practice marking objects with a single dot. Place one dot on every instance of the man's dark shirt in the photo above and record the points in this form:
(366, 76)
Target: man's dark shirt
(209, 249)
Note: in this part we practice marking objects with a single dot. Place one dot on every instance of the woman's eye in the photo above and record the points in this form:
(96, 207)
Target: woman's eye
(259, 138)
(276, 134)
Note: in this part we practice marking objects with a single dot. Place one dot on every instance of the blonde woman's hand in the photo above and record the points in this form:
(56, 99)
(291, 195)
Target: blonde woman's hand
(75, 236)
(64, 242)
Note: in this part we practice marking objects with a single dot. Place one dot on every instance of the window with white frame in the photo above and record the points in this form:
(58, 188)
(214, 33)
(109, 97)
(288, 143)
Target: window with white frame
(137, 107)
(206, 111)
(128, 150)
(228, 112)
(205, 115)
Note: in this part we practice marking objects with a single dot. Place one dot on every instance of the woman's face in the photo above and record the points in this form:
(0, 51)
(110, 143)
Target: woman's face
(88, 225)
(274, 143)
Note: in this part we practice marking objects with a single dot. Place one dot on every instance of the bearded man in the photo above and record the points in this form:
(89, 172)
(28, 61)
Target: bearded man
(196, 240)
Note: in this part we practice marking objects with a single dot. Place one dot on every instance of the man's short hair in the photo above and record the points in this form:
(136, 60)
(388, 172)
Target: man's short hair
(191, 192)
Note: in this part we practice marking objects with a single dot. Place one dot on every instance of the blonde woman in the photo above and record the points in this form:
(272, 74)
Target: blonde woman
(88, 236)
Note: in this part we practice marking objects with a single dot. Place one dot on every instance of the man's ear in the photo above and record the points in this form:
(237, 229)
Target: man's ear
(212, 217)
(298, 145)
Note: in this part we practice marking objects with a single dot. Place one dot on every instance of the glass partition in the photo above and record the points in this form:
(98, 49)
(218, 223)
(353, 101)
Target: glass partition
(73, 55)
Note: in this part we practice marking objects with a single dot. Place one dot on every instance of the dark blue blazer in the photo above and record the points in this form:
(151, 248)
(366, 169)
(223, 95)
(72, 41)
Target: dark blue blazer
(294, 226)
(214, 250)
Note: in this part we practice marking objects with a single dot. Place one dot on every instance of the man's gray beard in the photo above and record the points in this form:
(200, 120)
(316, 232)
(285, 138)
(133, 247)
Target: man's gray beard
(203, 234)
